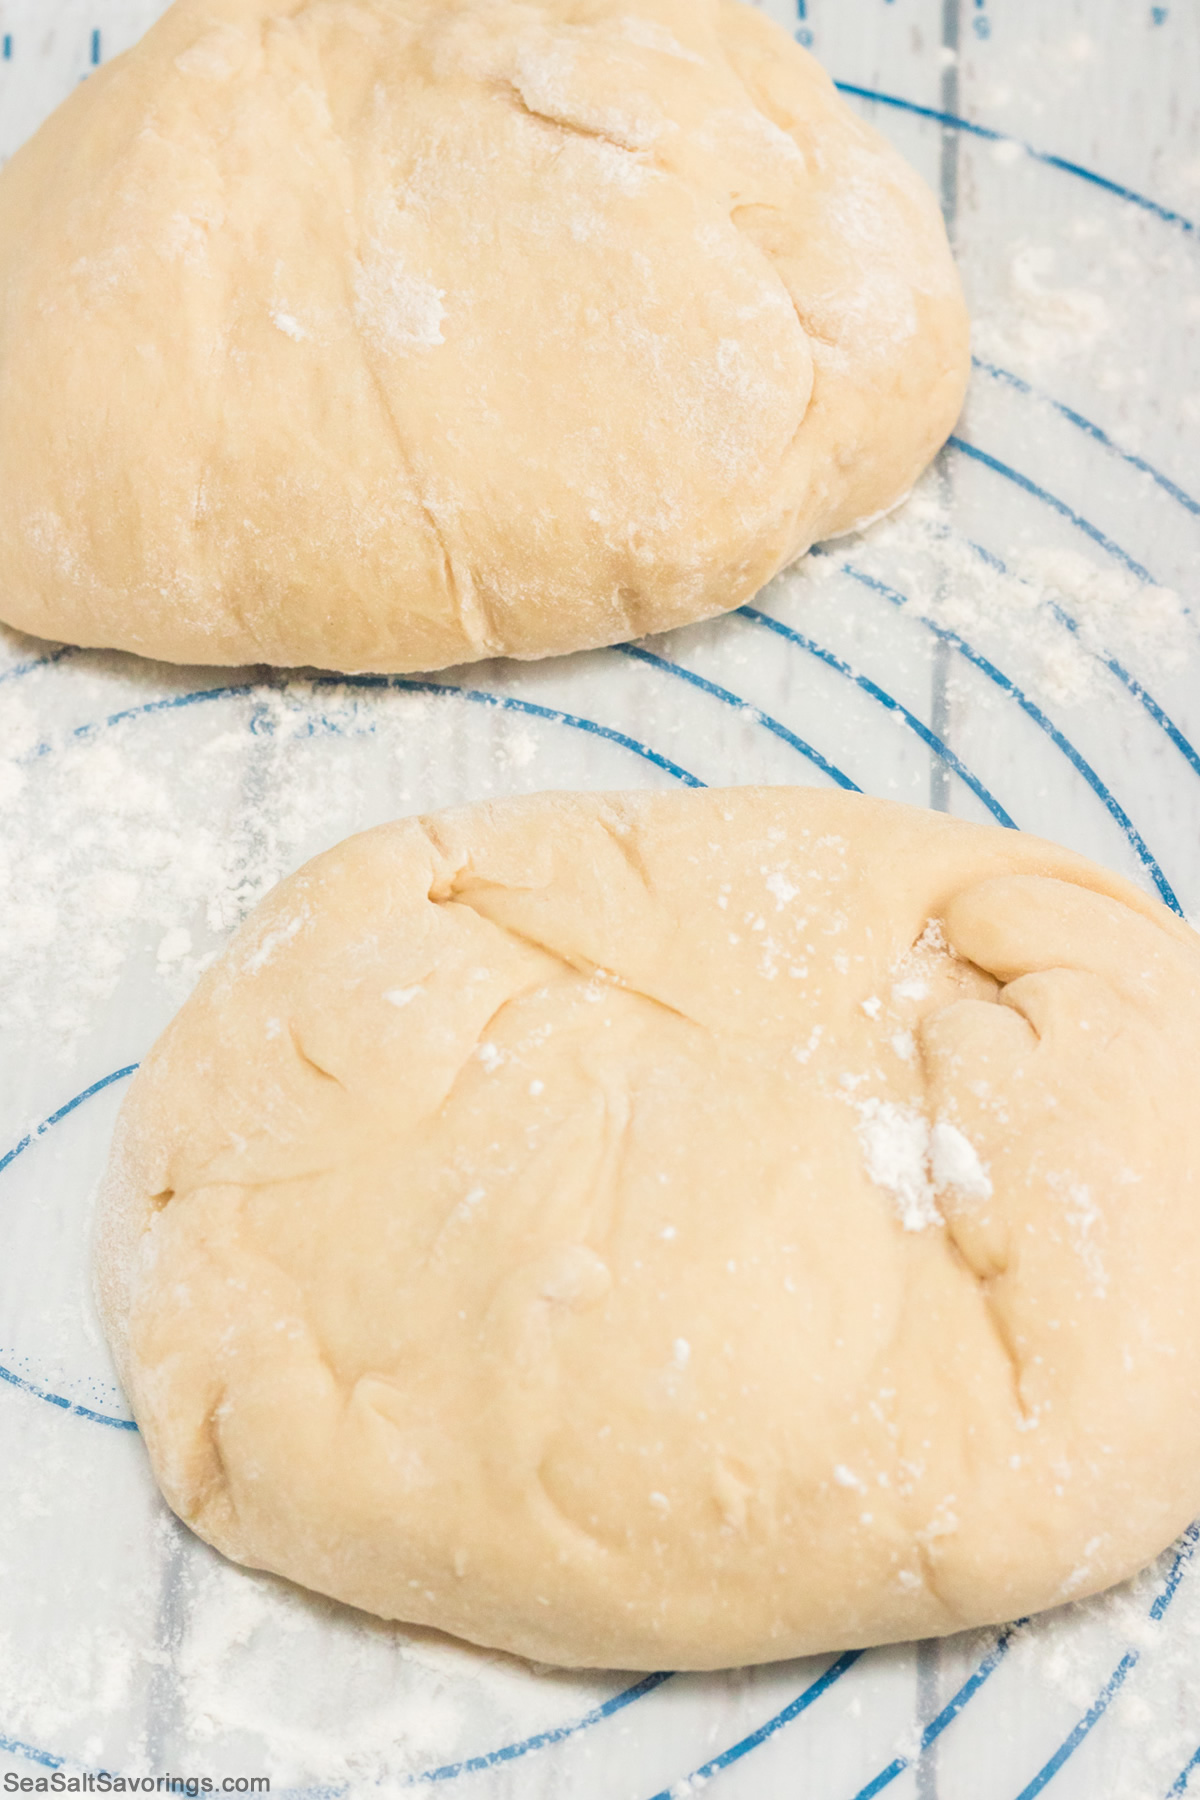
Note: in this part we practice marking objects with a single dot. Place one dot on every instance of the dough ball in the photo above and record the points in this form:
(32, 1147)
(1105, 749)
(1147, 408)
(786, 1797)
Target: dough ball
(675, 1230)
(389, 334)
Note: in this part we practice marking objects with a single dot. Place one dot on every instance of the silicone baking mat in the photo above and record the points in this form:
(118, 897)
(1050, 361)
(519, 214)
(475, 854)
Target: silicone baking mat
(1018, 643)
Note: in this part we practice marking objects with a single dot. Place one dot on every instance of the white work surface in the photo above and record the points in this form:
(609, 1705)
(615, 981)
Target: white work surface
(1017, 643)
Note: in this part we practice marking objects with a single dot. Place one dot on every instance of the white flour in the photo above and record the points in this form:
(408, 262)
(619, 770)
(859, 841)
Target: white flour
(915, 1161)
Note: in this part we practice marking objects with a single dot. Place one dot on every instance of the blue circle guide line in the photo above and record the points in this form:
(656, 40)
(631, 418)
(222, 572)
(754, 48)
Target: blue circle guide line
(746, 707)
(745, 1745)
(1090, 1720)
(1021, 386)
(955, 123)
(54, 1118)
(37, 662)
(511, 703)
(1180, 1783)
(966, 1693)
(9, 1376)
(68, 1406)
(1130, 683)
(479, 696)
(31, 1753)
(556, 1734)
(1008, 473)
(1132, 836)
(888, 701)
(472, 1765)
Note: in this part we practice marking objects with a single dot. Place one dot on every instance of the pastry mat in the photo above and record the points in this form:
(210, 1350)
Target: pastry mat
(1018, 643)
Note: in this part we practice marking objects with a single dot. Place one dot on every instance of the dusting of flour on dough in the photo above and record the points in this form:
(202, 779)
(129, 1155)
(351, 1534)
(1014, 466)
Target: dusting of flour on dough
(398, 310)
(916, 1162)
(895, 1147)
(954, 1163)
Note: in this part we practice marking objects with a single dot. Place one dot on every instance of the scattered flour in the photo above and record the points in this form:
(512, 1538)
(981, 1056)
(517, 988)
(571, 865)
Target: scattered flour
(954, 1163)
(895, 1148)
(916, 1161)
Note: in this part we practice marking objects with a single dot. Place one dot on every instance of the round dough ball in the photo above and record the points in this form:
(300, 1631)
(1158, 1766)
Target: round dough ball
(389, 334)
(675, 1230)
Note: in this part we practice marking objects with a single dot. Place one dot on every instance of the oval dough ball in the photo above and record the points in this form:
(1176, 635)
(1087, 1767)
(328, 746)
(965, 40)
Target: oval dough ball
(389, 334)
(676, 1230)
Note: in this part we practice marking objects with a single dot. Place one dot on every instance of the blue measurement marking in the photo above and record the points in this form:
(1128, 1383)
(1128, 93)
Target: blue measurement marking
(1090, 1720)
(948, 1714)
(171, 704)
(56, 1117)
(68, 1406)
(752, 712)
(743, 1747)
(952, 120)
(509, 703)
(19, 670)
(479, 696)
(469, 1766)
(1032, 711)
(9, 1375)
(95, 48)
(1175, 1574)
(1130, 683)
(31, 1753)
(557, 1733)
(7, 46)
(884, 699)
(1093, 431)
(1180, 1783)
(1060, 506)
(1158, 15)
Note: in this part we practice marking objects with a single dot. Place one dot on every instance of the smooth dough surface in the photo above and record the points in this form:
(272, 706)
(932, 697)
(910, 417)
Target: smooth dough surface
(625, 1231)
(390, 334)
